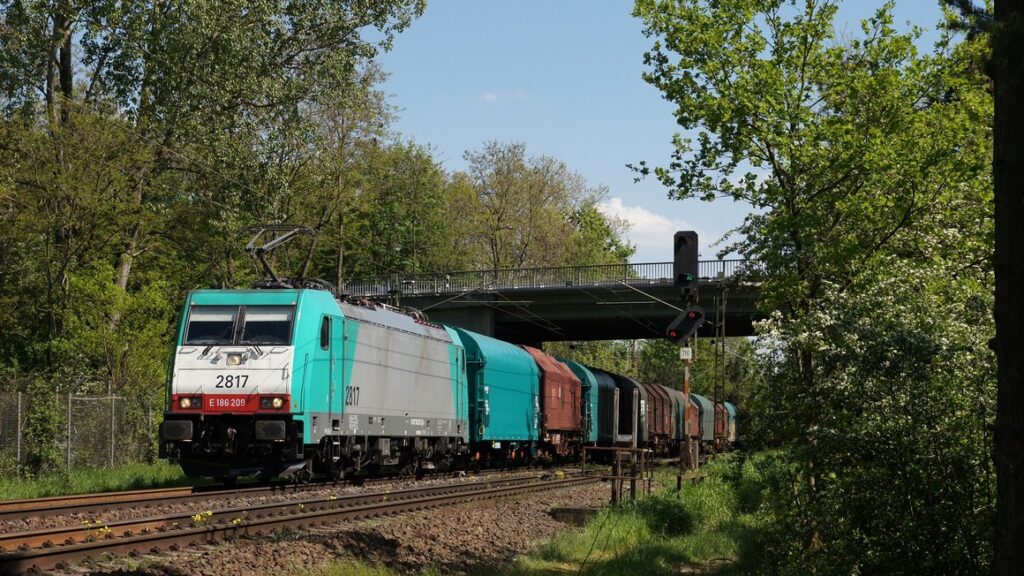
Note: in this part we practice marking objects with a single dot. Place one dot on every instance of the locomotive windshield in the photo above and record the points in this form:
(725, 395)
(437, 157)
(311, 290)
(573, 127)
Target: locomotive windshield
(219, 325)
(267, 325)
(211, 325)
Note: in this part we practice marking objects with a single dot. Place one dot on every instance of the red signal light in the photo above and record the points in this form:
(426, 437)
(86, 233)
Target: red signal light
(685, 325)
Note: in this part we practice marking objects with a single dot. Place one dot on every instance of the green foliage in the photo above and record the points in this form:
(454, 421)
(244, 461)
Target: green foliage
(398, 214)
(713, 526)
(140, 141)
(613, 356)
(534, 211)
(42, 425)
(596, 238)
(905, 400)
(659, 362)
(869, 166)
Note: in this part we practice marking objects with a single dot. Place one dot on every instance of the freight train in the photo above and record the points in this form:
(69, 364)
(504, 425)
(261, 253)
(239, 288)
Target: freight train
(298, 383)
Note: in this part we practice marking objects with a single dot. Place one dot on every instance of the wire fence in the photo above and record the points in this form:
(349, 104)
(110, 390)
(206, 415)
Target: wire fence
(82, 431)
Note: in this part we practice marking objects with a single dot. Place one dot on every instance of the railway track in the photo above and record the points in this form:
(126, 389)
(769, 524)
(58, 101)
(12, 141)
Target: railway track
(106, 501)
(58, 547)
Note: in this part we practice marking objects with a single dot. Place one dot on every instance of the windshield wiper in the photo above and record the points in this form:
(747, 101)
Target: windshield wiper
(218, 340)
(256, 347)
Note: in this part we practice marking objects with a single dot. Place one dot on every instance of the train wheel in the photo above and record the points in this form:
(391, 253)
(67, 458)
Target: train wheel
(305, 474)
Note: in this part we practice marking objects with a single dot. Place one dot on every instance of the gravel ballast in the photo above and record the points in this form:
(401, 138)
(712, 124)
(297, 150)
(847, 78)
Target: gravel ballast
(451, 539)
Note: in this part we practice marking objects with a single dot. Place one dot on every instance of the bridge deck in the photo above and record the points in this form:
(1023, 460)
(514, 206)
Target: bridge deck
(535, 305)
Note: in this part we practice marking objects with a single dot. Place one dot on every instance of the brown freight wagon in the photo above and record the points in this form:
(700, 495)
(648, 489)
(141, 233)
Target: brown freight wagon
(693, 420)
(676, 412)
(659, 417)
(721, 426)
(560, 397)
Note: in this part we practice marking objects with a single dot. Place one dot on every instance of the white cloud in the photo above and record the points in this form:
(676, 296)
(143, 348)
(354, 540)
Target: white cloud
(651, 232)
(503, 96)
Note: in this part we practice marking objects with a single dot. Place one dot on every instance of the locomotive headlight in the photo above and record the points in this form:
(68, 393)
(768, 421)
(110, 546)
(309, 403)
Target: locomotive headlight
(234, 359)
(186, 402)
(276, 403)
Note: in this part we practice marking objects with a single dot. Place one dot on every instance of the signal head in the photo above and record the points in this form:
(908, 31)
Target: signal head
(685, 325)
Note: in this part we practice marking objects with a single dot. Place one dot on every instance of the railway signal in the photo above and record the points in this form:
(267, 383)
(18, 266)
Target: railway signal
(684, 265)
(685, 325)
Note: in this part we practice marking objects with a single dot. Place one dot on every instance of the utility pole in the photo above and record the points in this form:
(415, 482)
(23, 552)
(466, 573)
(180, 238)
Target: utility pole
(720, 420)
(687, 459)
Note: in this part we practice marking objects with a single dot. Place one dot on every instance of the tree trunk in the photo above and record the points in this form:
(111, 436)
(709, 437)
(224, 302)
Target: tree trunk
(1008, 175)
(125, 267)
(67, 79)
(341, 251)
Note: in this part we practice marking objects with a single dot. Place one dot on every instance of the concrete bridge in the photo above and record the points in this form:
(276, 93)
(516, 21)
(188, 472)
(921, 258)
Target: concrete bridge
(576, 303)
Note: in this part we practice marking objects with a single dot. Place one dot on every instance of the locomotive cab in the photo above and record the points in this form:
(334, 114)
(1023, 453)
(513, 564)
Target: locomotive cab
(230, 395)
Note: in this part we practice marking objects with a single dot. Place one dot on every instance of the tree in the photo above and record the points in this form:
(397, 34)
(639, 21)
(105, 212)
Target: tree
(860, 157)
(523, 205)
(261, 64)
(597, 237)
(396, 221)
(1006, 27)
(138, 141)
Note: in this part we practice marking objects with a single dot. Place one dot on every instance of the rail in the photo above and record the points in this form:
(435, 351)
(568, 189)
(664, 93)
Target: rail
(48, 548)
(440, 283)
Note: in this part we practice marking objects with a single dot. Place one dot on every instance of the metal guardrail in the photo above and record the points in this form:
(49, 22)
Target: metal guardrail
(518, 278)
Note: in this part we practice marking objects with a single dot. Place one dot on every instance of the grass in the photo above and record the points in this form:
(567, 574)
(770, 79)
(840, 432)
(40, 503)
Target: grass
(129, 477)
(709, 528)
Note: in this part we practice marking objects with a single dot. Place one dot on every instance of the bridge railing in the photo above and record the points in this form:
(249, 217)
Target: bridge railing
(517, 278)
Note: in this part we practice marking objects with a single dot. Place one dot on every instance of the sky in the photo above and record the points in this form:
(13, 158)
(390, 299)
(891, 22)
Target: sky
(564, 77)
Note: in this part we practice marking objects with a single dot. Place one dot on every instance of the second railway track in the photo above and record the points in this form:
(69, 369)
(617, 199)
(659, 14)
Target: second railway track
(56, 547)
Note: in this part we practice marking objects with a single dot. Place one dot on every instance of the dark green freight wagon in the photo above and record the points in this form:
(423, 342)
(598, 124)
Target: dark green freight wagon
(589, 406)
